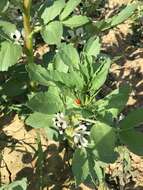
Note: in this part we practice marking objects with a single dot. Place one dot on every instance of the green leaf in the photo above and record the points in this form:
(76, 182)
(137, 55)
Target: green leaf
(47, 102)
(45, 77)
(40, 120)
(13, 87)
(52, 33)
(53, 11)
(77, 79)
(100, 75)
(123, 15)
(80, 165)
(98, 171)
(132, 120)
(9, 54)
(76, 21)
(92, 47)
(69, 55)
(38, 74)
(16, 185)
(7, 27)
(72, 79)
(70, 6)
(110, 106)
(133, 140)
(104, 139)
(3, 5)
(128, 132)
(16, 83)
(59, 64)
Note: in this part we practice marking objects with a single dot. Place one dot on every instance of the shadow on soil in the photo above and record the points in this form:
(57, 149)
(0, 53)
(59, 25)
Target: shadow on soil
(130, 59)
(52, 173)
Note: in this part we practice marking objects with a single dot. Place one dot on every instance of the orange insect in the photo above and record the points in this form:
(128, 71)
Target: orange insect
(78, 102)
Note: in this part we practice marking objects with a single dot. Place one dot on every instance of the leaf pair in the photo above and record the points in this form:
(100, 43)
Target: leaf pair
(53, 30)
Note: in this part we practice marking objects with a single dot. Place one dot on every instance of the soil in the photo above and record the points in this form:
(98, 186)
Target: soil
(18, 144)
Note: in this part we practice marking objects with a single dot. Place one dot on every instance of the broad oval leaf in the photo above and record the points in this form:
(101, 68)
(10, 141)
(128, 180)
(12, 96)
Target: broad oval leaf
(9, 54)
(104, 140)
(53, 11)
(132, 120)
(7, 27)
(111, 105)
(69, 55)
(40, 120)
(92, 47)
(128, 132)
(47, 102)
(133, 140)
(52, 33)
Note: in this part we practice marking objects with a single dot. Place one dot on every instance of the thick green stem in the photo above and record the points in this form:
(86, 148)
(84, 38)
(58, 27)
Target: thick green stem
(28, 39)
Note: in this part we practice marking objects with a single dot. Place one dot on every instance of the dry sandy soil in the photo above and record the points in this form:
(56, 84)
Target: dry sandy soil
(18, 145)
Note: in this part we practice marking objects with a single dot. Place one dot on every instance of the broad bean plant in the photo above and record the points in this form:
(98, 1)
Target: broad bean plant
(64, 91)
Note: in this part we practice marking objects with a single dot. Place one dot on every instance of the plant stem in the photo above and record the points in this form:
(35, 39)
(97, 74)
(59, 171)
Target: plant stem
(28, 38)
(88, 120)
(40, 161)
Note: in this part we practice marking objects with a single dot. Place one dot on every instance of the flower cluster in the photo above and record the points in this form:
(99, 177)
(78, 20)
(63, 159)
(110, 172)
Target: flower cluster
(60, 122)
(80, 134)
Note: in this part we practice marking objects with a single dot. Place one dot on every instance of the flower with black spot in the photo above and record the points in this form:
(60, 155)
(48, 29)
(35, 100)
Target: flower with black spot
(80, 136)
(16, 36)
(60, 122)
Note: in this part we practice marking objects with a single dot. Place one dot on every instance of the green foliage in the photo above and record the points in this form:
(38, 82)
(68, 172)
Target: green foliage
(100, 75)
(69, 55)
(9, 55)
(122, 16)
(109, 107)
(7, 27)
(53, 11)
(104, 140)
(39, 102)
(16, 185)
(41, 120)
(52, 33)
(92, 47)
(4, 5)
(70, 6)
(64, 93)
(129, 132)
(76, 21)
(80, 165)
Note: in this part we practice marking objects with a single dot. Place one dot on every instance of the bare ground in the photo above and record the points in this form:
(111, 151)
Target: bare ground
(19, 144)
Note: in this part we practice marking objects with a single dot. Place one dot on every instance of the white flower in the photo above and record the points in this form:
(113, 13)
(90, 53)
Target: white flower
(16, 36)
(80, 135)
(60, 122)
